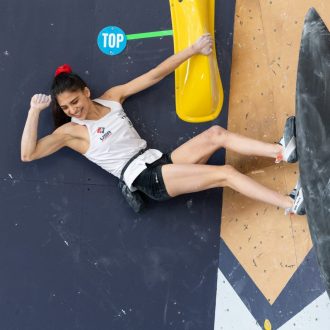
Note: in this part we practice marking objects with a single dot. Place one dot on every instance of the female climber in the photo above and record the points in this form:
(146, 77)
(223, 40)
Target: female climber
(99, 129)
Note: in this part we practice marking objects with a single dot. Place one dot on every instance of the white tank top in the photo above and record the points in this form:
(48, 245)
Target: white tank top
(113, 141)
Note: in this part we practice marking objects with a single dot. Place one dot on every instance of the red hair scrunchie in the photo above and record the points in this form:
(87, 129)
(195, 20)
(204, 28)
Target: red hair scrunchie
(65, 68)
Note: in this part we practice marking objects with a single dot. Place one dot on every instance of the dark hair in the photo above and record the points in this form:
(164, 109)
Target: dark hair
(61, 83)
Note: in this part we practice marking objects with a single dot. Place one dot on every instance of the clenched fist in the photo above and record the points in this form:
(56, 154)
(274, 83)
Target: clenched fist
(40, 101)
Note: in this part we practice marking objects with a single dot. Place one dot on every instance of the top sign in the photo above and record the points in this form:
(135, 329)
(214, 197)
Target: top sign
(112, 40)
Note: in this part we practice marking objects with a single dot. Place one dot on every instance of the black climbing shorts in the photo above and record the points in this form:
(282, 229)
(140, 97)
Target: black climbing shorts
(150, 181)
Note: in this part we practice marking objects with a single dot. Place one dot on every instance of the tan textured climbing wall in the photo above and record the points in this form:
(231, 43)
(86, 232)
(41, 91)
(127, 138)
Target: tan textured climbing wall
(269, 245)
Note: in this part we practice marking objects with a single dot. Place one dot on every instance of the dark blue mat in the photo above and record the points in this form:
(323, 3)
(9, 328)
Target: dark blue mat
(73, 255)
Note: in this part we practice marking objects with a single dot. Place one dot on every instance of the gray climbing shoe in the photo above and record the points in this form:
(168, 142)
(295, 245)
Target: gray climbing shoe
(288, 141)
(298, 206)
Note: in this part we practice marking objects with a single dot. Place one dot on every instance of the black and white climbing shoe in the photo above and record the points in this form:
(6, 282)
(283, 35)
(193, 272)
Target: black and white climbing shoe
(288, 141)
(298, 206)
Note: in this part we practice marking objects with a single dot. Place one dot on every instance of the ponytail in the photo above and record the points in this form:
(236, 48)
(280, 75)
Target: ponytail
(64, 80)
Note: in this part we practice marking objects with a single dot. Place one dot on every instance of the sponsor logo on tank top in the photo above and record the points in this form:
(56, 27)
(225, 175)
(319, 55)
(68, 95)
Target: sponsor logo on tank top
(123, 116)
(105, 135)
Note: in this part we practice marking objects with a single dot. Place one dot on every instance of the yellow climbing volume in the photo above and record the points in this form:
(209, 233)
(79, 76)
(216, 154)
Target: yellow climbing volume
(198, 87)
